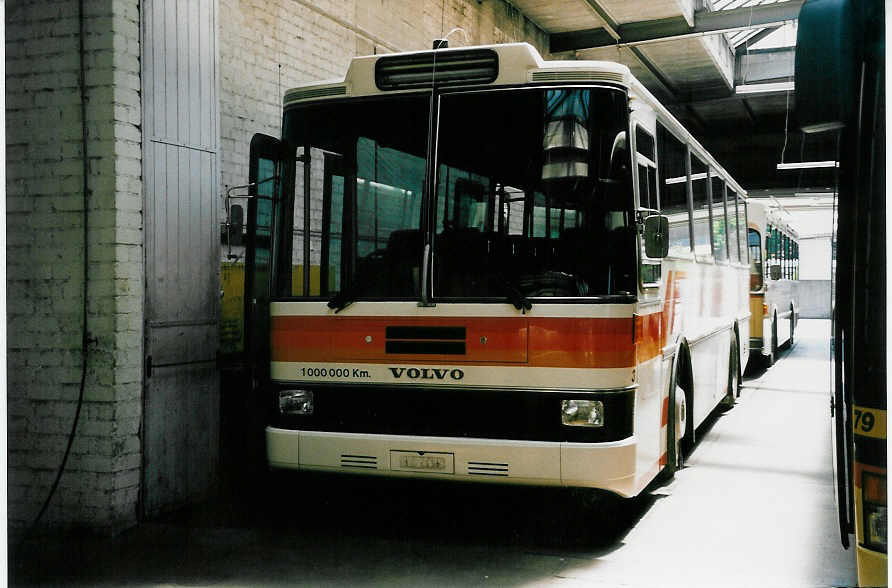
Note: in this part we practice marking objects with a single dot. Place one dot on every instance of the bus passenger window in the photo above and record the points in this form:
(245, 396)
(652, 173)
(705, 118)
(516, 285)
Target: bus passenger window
(734, 213)
(731, 207)
(673, 191)
(719, 230)
(699, 179)
(647, 169)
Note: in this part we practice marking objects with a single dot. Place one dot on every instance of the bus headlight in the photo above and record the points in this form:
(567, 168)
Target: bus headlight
(582, 413)
(296, 402)
(876, 517)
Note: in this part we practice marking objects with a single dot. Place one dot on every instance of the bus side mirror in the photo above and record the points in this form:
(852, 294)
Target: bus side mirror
(233, 232)
(656, 236)
(774, 272)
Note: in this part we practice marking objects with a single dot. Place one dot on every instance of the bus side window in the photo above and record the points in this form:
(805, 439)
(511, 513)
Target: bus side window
(719, 230)
(672, 175)
(735, 209)
(700, 193)
(647, 169)
(733, 231)
(650, 270)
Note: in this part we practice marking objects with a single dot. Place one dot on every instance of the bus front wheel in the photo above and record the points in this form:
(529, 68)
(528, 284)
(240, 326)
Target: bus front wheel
(682, 424)
(772, 356)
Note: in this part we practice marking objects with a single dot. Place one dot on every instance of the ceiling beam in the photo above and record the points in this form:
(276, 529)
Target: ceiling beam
(653, 31)
(610, 25)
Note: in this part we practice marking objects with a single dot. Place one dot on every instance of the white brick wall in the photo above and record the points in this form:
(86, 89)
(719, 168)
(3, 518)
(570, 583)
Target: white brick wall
(45, 261)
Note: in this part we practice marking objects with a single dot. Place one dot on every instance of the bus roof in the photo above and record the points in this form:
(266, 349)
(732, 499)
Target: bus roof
(487, 66)
(517, 63)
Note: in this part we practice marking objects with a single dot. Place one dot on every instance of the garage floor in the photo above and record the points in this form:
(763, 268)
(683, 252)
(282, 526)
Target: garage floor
(753, 507)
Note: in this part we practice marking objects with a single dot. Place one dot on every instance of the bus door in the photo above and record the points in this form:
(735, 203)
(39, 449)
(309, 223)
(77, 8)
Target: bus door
(270, 203)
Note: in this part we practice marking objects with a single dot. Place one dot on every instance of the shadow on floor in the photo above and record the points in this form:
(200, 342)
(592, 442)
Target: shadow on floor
(287, 512)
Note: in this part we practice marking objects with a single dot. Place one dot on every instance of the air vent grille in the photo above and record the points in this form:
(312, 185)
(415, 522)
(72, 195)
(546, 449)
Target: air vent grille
(485, 468)
(368, 462)
(425, 340)
(576, 76)
(453, 68)
(297, 95)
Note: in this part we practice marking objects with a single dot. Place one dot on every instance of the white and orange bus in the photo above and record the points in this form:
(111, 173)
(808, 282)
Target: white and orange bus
(774, 270)
(473, 264)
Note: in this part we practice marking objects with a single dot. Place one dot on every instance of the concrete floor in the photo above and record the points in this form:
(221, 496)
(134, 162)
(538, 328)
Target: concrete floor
(753, 507)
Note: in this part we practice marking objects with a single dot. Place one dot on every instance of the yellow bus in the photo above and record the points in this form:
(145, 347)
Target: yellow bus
(774, 270)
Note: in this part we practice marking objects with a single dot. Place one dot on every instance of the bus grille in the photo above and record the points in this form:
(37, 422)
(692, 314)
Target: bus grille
(483, 468)
(425, 340)
(576, 76)
(368, 462)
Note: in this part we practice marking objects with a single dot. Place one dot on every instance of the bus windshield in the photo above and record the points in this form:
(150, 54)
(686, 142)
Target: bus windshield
(532, 196)
(755, 246)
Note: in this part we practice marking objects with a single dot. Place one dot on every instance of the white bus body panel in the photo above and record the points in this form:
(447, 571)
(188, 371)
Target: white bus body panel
(609, 466)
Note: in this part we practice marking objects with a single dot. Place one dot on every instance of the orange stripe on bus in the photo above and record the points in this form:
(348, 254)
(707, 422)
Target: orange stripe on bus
(538, 342)
(665, 418)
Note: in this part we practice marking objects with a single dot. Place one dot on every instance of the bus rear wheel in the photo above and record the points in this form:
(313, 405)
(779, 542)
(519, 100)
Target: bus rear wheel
(733, 377)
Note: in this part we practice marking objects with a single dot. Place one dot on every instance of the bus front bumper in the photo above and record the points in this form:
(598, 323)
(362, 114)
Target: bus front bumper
(609, 466)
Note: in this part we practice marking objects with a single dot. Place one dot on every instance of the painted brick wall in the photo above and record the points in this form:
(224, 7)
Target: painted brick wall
(266, 46)
(46, 255)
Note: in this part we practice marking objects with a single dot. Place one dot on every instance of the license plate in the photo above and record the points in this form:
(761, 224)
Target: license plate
(422, 461)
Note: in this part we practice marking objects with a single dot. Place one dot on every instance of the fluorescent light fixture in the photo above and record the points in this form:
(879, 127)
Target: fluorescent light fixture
(808, 164)
(762, 88)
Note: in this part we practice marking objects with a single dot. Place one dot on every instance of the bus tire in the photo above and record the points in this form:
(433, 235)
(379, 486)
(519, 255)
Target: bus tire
(681, 424)
(792, 326)
(679, 417)
(733, 376)
(772, 354)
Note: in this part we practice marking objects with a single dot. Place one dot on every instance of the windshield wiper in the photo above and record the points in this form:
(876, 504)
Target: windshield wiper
(343, 299)
(515, 296)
